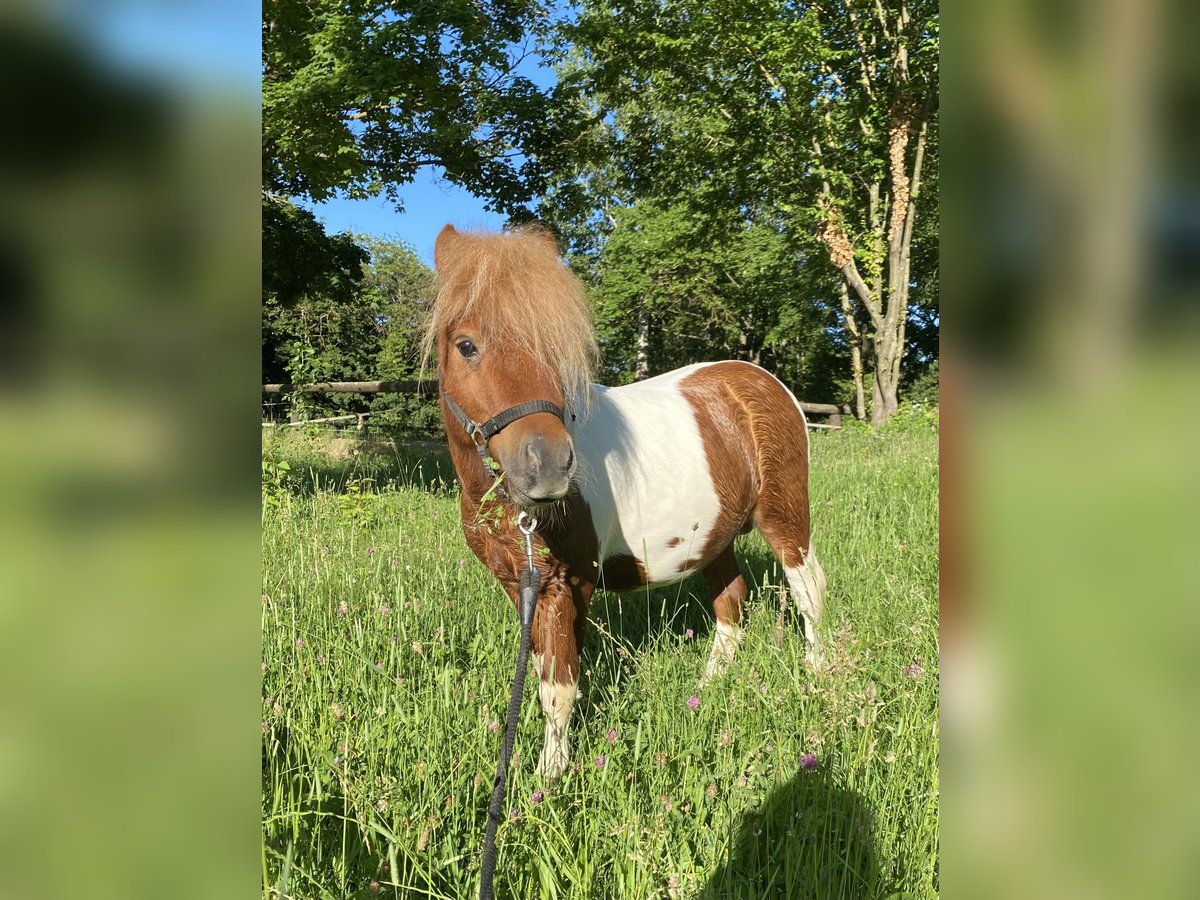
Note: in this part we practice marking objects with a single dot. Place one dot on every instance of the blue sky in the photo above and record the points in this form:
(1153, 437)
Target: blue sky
(429, 204)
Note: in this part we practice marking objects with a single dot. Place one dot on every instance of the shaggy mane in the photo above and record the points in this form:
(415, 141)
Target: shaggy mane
(523, 297)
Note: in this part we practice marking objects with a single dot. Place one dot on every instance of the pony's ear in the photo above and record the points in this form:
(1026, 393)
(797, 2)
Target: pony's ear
(445, 239)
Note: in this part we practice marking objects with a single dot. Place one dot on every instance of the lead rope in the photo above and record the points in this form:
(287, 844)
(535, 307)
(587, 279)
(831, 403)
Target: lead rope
(529, 590)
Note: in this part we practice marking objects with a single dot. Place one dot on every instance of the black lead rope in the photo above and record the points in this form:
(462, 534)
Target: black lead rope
(529, 591)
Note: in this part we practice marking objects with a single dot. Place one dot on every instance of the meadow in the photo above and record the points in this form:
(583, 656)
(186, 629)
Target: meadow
(387, 658)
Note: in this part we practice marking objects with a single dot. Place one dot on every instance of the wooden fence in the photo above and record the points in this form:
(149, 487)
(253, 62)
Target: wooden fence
(430, 386)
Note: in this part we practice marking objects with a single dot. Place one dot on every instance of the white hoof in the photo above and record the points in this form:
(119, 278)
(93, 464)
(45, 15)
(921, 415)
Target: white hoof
(725, 642)
(553, 761)
(814, 659)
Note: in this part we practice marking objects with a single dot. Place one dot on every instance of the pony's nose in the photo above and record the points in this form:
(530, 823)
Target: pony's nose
(548, 466)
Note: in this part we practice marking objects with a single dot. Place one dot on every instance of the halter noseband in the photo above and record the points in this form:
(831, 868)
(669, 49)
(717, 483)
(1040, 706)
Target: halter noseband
(481, 433)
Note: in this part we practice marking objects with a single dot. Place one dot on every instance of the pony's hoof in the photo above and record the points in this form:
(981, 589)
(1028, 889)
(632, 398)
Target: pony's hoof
(714, 668)
(814, 660)
(551, 767)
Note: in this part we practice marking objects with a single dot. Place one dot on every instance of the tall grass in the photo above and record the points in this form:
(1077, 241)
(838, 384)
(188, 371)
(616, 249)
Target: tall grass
(387, 658)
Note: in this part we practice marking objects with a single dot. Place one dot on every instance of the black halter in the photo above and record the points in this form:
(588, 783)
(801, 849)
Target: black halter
(481, 433)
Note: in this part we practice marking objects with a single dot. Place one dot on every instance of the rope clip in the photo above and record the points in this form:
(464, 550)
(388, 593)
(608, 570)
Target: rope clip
(528, 531)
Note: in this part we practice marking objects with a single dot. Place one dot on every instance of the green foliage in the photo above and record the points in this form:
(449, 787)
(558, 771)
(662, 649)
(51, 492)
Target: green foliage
(388, 650)
(322, 338)
(689, 155)
(358, 95)
(358, 502)
(403, 285)
(912, 417)
(364, 331)
(301, 260)
(275, 474)
(924, 388)
(772, 115)
(302, 267)
(711, 285)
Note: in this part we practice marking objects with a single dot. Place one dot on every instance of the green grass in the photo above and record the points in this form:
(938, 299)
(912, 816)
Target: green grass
(388, 649)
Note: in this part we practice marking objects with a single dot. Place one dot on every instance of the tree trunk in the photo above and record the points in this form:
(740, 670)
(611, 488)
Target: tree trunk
(887, 310)
(860, 402)
(747, 350)
(856, 362)
(642, 363)
(884, 400)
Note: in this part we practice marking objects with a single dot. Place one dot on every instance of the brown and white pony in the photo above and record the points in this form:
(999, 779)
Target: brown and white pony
(633, 486)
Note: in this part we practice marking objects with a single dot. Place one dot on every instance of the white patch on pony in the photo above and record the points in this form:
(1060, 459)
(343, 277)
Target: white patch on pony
(725, 642)
(807, 585)
(557, 702)
(644, 474)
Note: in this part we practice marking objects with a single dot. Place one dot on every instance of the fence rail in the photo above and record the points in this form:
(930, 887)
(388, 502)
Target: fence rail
(359, 417)
(354, 387)
(430, 386)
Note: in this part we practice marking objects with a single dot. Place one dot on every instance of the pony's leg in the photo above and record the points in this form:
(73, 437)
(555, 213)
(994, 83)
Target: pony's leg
(556, 661)
(789, 539)
(727, 588)
(807, 585)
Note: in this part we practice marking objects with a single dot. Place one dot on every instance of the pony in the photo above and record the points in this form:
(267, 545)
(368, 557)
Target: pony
(633, 486)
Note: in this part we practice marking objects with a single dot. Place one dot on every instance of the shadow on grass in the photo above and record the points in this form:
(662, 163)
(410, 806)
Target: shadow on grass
(809, 838)
(338, 464)
(640, 619)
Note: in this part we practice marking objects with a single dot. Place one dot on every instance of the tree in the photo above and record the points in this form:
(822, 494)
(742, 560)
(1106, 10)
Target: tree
(360, 331)
(676, 284)
(324, 337)
(300, 263)
(404, 286)
(359, 94)
(824, 115)
(299, 257)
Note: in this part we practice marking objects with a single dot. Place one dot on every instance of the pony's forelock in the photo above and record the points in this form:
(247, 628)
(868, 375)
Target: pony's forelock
(522, 296)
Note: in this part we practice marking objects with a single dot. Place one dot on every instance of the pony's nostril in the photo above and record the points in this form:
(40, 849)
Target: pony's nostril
(570, 460)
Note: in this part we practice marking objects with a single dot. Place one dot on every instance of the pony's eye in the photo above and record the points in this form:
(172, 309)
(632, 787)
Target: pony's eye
(467, 349)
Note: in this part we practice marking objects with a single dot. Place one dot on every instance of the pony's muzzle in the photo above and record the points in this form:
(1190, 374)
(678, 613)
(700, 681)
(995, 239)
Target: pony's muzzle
(546, 467)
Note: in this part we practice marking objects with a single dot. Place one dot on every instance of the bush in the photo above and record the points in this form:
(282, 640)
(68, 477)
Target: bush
(924, 388)
(911, 418)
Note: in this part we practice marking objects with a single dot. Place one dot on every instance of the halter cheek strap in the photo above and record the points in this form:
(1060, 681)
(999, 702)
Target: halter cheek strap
(481, 433)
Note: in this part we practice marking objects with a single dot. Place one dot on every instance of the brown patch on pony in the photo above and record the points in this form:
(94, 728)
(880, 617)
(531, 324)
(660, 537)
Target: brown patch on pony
(560, 619)
(623, 572)
(521, 296)
(726, 587)
(756, 444)
(675, 542)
